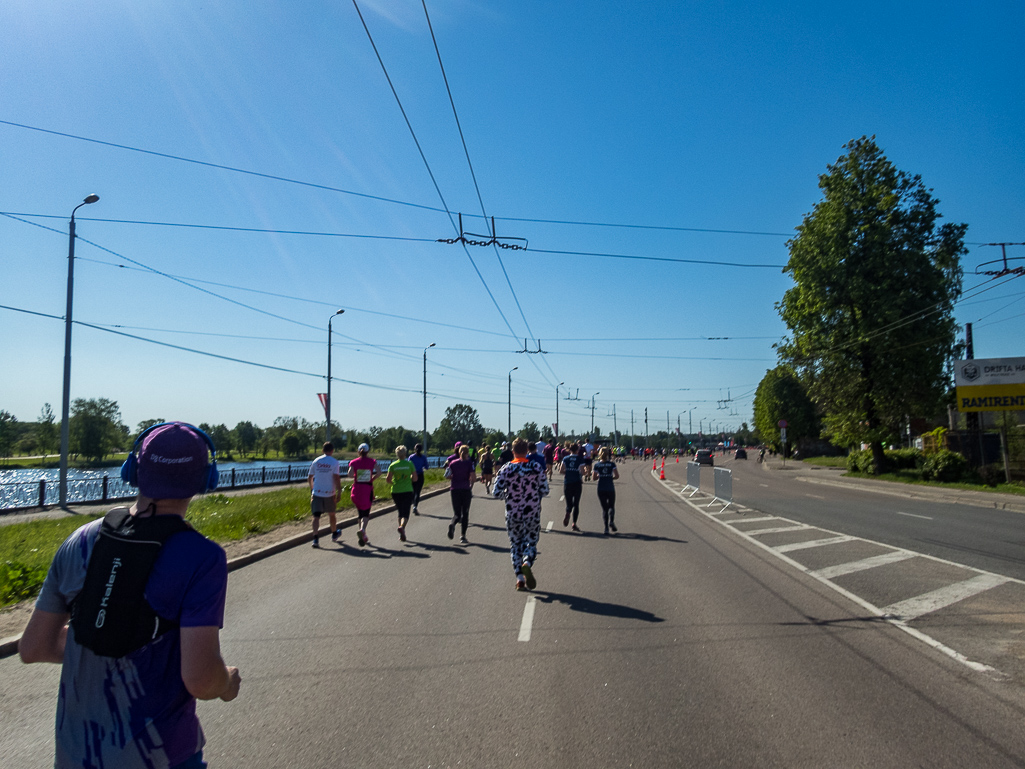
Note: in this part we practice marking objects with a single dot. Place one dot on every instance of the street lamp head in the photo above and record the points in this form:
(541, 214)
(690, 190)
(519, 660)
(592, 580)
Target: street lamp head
(339, 312)
(91, 198)
(432, 344)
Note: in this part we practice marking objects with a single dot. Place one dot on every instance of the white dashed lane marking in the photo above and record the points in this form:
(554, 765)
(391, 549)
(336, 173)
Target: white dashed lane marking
(912, 515)
(549, 526)
(528, 619)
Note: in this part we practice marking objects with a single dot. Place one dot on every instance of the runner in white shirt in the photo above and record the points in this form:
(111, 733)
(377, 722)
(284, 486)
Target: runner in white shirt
(588, 460)
(325, 481)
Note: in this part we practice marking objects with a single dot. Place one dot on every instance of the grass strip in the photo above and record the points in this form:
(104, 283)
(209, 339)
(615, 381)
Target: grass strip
(26, 549)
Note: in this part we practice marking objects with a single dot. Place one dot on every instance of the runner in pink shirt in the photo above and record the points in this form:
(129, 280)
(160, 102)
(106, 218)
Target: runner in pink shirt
(363, 471)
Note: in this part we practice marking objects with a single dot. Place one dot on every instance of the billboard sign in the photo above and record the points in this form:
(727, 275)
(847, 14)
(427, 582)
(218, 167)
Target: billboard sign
(990, 384)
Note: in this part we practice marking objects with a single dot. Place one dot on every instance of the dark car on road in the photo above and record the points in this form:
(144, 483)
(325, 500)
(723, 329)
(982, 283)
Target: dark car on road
(703, 457)
(741, 454)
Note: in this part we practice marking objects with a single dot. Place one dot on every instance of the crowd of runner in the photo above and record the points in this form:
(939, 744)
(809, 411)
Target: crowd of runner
(517, 472)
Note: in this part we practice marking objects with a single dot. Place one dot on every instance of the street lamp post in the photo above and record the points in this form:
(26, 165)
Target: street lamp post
(514, 368)
(66, 395)
(592, 414)
(423, 438)
(327, 407)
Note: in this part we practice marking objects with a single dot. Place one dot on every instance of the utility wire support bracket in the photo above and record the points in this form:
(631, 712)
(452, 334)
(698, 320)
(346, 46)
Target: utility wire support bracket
(473, 239)
(1006, 270)
(532, 352)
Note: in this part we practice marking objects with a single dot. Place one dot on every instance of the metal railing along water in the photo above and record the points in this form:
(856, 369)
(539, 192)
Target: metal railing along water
(106, 487)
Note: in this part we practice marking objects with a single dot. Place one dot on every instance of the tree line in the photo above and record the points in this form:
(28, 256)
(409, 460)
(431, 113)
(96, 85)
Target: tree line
(97, 431)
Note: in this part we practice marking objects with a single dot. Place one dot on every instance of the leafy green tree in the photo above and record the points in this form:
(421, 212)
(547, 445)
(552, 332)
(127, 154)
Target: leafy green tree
(546, 434)
(870, 314)
(291, 443)
(47, 431)
(780, 395)
(245, 436)
(461, 423)
(95, 428)
(146, 424)
(221, 436)
(8, 433)
(529, 431)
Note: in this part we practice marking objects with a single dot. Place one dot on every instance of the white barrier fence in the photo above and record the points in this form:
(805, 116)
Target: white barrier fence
(723, 480)
(693, 477)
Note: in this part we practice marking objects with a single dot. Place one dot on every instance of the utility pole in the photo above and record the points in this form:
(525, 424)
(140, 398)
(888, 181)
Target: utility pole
(973, 418)
(557, 411)
(632, 446)
(615, 427)
(645, 427)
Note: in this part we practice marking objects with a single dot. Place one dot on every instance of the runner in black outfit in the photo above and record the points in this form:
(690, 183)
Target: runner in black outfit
(606, 472)
(570, 469)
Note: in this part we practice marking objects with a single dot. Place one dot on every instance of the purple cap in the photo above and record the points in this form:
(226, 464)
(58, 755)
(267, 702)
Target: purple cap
(173, 462)
(458, 444)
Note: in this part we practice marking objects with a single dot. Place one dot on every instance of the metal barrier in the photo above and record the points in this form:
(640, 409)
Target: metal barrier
(693, 478)
(723, 487)
(24, 495)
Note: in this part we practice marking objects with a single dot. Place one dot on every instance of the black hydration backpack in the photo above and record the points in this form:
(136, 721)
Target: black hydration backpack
(111, 616)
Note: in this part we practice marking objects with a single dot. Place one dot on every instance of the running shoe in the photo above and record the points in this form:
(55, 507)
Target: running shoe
(415, 511)
(336, 534)
(464, 541)
(565, 521)
(606, 531)
(451, 531)
(521, 584)
(613, 526)
(402, 533)
(362, 539)
(575, 527)
(529, 575)
(316, 541)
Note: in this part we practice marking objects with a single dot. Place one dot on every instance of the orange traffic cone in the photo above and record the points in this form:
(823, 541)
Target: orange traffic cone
(654, 465)
(677, 459)
(662, 473)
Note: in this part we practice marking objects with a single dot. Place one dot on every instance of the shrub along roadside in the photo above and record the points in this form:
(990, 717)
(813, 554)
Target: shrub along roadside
(26, 549)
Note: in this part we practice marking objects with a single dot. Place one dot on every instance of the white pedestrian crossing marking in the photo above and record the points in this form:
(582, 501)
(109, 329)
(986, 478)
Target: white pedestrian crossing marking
(945, 596)
(813, 543)
(865, 563)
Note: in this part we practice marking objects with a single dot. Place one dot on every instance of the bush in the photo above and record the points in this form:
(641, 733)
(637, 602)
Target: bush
(899, 459)
(18, 581)
(946, 466)
(991, 475)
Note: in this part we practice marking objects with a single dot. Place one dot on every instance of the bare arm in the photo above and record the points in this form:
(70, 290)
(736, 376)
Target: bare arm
(44, 637)
(203, 670)
(615, 473)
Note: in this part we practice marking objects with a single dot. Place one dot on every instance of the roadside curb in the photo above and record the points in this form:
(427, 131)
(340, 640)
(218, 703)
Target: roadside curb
(9, 646)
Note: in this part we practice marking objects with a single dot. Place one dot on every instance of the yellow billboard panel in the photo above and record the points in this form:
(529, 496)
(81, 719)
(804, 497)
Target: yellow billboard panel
(1008, 397)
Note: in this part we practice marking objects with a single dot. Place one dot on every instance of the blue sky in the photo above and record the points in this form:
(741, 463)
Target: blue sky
(715, 119)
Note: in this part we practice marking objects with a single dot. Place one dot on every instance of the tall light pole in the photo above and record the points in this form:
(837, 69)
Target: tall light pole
(615, 426)
(557, 411)
(66, 396)
(423, 438)
(514, 368)
(592, 415)
(327, 407)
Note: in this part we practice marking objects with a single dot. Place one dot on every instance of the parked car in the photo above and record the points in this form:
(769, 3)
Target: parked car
(741, 454)
(703, 457)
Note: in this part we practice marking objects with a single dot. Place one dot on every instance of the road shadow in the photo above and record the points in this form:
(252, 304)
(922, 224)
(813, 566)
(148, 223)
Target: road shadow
(817, 622)
(432, 548)
(590, 606)
(631, 535)
(344, 548)
(403, 553)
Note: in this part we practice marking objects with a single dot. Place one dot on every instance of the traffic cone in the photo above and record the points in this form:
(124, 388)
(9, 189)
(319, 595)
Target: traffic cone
(677, 459)
(662, 473)
(654, 465)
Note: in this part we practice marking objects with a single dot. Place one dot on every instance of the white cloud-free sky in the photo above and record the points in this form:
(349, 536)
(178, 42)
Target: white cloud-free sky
(705, 125)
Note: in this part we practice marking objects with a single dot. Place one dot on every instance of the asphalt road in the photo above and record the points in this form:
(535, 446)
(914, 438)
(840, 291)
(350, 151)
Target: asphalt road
(988, 539)
(675, 643)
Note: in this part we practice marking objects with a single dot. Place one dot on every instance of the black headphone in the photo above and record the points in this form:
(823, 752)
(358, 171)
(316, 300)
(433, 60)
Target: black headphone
(130, 469)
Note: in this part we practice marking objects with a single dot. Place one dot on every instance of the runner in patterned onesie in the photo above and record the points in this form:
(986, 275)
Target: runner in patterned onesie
(522, 483)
